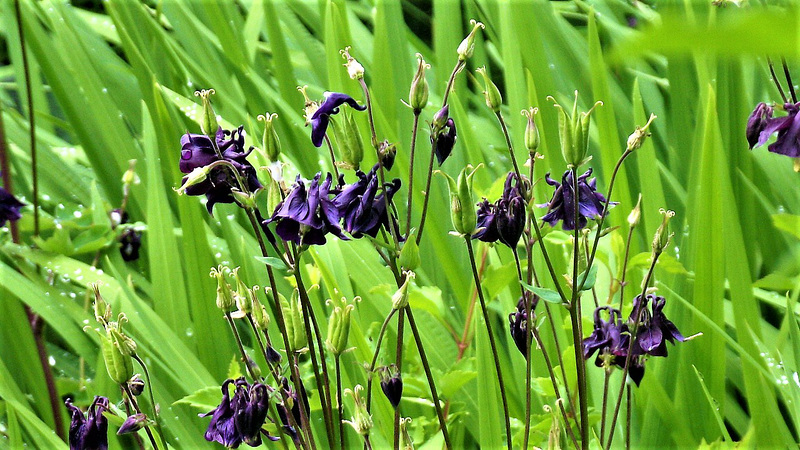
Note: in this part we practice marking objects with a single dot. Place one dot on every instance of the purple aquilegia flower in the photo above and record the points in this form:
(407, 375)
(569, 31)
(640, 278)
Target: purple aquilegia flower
(504, 220)
(610, 339)
(250, 405)
(306, 215)
(9, 207)
(197, 151)
(654, 328)
(362, 208)
(322, 116)
(290, 393)
(446, 141)
(89, 431)
(562, 205)
(129, 243)
(392, 384)
(222, 428)
(787, 127)
(518, 322)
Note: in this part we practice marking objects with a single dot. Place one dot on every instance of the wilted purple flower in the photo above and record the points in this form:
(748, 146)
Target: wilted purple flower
(89, 431)
(654, 328)
(787, 127)
(505, 219)
(392, 384)
(197, 150)
(321, 117)
(445, 141)
(250, 405)
(129, 242)
(518, 322)
(306, 215)
(562, 205)
(222, 428)
(9, 207)
(361, 207)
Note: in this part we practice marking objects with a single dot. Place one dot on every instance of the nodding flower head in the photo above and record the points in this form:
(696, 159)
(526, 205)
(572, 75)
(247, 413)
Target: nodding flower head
(518, 321)
(443, 134)
(321, 117)
(239, 419)
(504, 220)
(654, 328)
(90, 430)
(761, 125)
(362, 205)
(562, 206)
(9, 207)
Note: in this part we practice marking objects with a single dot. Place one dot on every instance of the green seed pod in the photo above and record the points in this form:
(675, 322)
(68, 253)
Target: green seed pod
(102, 310)
(462, 210)
(418, 95)
(663, 236)
(348, 138)
(270, 142)
(295, 327)
(574, 132)
(243, 294)
(209, 125)
(637, 138)
(400, 297)
(225, 300)
(467, 46)
(339, 326)
(361, 420)
(532, 139)
(118, 364)
(260, 315)
(409, 254)
(493, 97)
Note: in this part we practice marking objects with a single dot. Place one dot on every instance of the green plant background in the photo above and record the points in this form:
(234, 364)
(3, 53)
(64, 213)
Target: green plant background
(115, 83)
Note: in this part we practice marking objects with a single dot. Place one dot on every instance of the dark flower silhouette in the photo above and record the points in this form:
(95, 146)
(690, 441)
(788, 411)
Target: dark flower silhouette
(129, 243)
(504, 220)
(761, 125)
(197, 151)
(88, 431)
(9, 207)
(446, 141)
(392, 384)
(222, 428)
(306, 215)
(518, 322)
(361, 207)
(654, 328)
(239, 420)
(562, 206)
(321, 117)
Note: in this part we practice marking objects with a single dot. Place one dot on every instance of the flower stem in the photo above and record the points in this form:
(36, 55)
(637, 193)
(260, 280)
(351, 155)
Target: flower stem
(333, 157)
(414, 129)
(628, 418)
(156, 415)
(495, 354)
(135, 404)
(398, 362)
(375, 357)
(241, 347)
(510, 146)
(427, 190)
(575, 316)
(605, 406)
(339, 405)
(775, 79)
(637, 319)
(788, 79)
(424, 359)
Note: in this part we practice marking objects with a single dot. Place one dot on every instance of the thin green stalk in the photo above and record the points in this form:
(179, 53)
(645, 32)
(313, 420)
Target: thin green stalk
(575, 316)
(510, 146)
(372, 364)
(775, 79)
(304, 422)
(424, 359)
(628, 418)
(547, 261)
(634, 329)
(559, 398)
(339, 406)
(625, 268)
(132, 399)
(488, 323)
(156, 415)
(411, 171)
(606, 378)
(398, 362)
(238, 339)
(333, 157)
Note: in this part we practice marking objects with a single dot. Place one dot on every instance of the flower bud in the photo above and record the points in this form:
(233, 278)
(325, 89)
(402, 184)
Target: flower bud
(225, 300)
(243, 295)
(387, 151)
(339, 326)
(400, 297)
(260, 315)
(102, 310)
(273, 357)
(136, 385)
(195, 177)
(493, 98)
(392, 384)
(467, 46)
(133, 424)
(348, 137)
(418, 95)
(663, 236)
(409, 254)
(270, 142)
(440, 120)
(130, 177)
(636, 139)
(361, 420)
(354, 68)
(636, 213)
(209, 125)
(461, 210)
(252, 367)
(295, 327)
(574, 132)
(532, 139)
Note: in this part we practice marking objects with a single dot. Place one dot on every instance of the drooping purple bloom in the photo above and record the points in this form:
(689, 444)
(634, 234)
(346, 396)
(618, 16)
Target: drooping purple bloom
(321, 117)
(562, 206)
(787, 127)
(296, 401)
(654, 328)
(610, 339)
(306, 215)
(392, 384)
(132, 424)
(518, 322)
(504, 220)
(129, 243)
(197, 150)
(222, 428)
(250, 405)
(9, 207)
(88, 431)
(446, 141)
(362, 208)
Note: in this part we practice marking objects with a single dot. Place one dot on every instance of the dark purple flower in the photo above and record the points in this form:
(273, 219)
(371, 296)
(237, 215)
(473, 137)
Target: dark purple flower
(306, 215)
(89, 431)
(504, 220)
(654, 328)
(562, 205)
(321, 117)
(518, 322)
(132, 424)
(787, 127)
(757, 122)
(9, 207)
(222, 428)
(362, 208)
(392, 384)
(273, 357)
(292, 397)
(197, 150)
(445, 141)
(610, 339)
(250, 405)
(129, 242)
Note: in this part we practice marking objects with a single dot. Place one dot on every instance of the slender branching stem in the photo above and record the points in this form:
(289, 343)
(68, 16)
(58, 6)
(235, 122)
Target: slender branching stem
(606, 378)
(304, 422)
(132, 400)
(575, 316)
(339, 405)
(775, 79)
(547, 260)
(414, 129)
(510, 146)
(628, 418)
(238, 339)
(371, 369)
(156, 415)
(398, 362)
(622, 281)
(488, 322)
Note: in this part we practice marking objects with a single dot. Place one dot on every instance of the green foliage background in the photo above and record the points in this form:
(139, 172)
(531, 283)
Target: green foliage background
(116, 84)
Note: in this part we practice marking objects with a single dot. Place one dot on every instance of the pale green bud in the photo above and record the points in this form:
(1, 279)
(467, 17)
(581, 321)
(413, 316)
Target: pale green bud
(102, 310)
(637, 138)
(400, 297)
(225, 300)
(663, 236)
(354, 69)
(119, 364)
(532, 139)
(130, 177)
(209, 124)
(348, 137)
(195, 177)
(409, 254)
(310, 106)
(247, 200)
(467, 46)
(574, 132)
(636, 213)
(243, 294)
(462, 207)
(493, 98)
(260, 315)
(418, 95)
(295, 327)
(270, 142)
